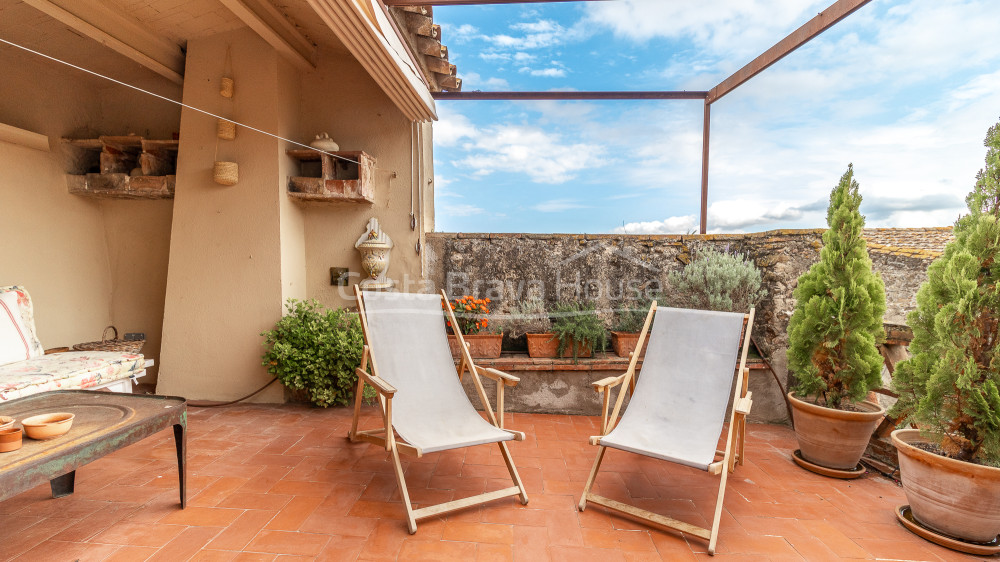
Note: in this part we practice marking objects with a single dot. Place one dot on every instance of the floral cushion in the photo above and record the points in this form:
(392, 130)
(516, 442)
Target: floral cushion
(71, 370)
(35, 348)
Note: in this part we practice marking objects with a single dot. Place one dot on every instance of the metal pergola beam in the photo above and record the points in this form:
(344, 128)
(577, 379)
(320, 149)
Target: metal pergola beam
(823, 21)
(523, 96)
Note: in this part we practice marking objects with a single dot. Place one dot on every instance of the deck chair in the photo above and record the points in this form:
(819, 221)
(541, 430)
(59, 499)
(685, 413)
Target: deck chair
(406, 359)
(677, 409)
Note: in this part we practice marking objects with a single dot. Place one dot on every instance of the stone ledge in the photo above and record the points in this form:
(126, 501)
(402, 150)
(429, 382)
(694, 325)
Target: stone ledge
(521, 362)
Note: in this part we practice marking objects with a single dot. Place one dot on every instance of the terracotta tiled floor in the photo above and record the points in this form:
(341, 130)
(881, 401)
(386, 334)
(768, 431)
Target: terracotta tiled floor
(282, 483)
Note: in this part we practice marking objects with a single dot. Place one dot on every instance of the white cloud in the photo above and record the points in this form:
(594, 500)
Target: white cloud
(544, 72)
(557, 205)
(463, 210)
(672, 225)
(535, 35)
(459, 34)
(473, 81)
(544, 157)
(452, 127)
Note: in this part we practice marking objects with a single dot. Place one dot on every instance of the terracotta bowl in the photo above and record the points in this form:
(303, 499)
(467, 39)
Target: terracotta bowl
(6, 422)
(10, 439)
(47, 426)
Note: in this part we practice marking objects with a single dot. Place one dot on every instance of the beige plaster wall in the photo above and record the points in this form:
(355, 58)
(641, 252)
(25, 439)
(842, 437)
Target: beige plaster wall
(87, 263)
(341, 99)
(224, 284)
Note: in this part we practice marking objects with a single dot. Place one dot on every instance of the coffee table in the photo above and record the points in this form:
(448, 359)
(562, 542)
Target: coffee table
(104, 423)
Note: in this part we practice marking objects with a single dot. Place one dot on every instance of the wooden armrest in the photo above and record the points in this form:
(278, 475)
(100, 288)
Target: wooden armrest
(380, 385)
(742, 405)
(52, 350)
(607, 383)
(508, 380)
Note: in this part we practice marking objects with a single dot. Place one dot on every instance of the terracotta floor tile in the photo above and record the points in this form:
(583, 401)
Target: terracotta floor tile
(494, 553)
(244, 500)
(203, 516)
(341, 549)
(899, 550)
(478, 532)
(561, 553)
(332, 523)
(418, 550)
(295, 512)
(60, 550)
(288, 542)
(131, 554)
(241, 531)
(186, 544)
(139, 535)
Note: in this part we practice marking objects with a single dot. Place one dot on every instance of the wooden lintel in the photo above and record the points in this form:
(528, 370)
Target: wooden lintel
(422, 9)
(124, 36)
(823, 21)
(271, 25)
(452, 84)
(518, 96)
(431, 47)
(419, 24)
(437, 65)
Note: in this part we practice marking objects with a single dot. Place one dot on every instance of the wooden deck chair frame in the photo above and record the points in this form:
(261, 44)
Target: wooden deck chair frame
(385, 436)
(732, 455)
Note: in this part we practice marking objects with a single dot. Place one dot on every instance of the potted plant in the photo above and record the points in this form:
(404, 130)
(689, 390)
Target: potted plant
(472, 315)
(531, 319)
(832, 338)
(950, 467)
(625, 331)
(315, 351)
(578, 329)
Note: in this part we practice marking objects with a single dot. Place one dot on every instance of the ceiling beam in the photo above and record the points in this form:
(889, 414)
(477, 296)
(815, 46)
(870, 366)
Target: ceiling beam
(473, 2)
(272, 26)
(93, 19)
(519, 96)
(823, 21)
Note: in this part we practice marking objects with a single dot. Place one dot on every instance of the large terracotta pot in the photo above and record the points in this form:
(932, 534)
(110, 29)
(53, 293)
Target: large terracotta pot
(547, 346)
(953, 497)
(625, 343)
(834, 438)
(481, 346)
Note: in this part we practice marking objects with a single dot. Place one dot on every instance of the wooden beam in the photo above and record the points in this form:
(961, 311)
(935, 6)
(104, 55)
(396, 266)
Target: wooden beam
(14, 135)
(473, 2)
(98, 22)
(518, 96)
(823, 21)
(270, 24)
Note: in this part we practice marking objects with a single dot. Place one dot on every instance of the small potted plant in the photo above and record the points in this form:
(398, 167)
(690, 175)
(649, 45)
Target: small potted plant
(628, 324)
(579, 330)
(531, 319)
(832, 339)
(472, 315)
(716, 280)
(315, 351)
(950, 467)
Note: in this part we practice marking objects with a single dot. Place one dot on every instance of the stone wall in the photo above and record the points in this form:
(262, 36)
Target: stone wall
(602, 268)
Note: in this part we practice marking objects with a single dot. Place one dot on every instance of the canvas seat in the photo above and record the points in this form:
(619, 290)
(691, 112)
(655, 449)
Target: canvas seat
(678, 409)
(408, 361)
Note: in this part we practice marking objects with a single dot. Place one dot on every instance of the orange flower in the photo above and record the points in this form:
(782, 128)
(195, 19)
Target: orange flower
(468, 308)
(449, 323)
(485, 322)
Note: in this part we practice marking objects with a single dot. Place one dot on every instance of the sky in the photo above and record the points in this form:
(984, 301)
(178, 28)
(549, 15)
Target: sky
(903, 89)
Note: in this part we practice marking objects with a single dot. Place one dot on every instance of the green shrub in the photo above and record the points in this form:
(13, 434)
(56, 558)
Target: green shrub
(949, 386)
(716, 280)
(316, 351)
(576, 322)
(837, 322)
(632, 315)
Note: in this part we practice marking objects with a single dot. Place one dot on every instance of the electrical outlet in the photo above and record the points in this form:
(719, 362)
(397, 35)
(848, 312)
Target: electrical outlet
(134, 336)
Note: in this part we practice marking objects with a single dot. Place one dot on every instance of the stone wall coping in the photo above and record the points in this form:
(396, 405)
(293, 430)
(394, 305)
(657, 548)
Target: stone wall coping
(521, 362)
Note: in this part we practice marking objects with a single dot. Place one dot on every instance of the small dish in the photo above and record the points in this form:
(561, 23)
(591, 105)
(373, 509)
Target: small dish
(6, 422)
(47, 426)
(10, 439)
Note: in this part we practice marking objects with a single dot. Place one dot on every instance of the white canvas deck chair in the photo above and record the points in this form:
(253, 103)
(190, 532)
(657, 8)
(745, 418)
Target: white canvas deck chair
(678, 408)
(421, 394)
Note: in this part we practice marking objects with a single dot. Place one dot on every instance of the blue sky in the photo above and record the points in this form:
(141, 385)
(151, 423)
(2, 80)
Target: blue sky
(904, 89)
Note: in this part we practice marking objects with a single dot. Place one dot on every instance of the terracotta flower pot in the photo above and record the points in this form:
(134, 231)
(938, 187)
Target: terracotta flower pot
(547, 346)
(834, 438)
(954, 497)
(10, 439)
(481, 346)
(625, 343)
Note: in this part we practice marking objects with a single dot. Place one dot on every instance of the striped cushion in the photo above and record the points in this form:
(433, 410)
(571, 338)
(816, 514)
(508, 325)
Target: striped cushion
(14, 345)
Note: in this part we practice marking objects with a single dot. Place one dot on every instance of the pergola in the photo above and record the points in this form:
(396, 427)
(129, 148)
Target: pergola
(820, 23)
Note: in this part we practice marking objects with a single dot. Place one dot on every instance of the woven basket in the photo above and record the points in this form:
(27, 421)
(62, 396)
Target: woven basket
(226, 173)
(226, 130)
(227, 87)
(114, 344)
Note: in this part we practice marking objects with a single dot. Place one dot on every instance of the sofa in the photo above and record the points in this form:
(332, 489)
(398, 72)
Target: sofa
(26, 369)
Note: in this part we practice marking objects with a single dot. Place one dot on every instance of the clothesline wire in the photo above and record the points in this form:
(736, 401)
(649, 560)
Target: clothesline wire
(182, 104)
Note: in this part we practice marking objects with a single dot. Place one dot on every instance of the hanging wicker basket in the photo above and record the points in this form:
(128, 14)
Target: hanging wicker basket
(113, 344)
(226, 130)
(227, 87)
(226, 173)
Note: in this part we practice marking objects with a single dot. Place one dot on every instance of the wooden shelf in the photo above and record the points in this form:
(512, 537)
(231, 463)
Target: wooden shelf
(349, 178)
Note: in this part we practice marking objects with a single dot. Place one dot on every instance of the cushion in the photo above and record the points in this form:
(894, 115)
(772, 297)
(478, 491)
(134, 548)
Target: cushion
(14, 344)
(71, 370)
(27, 318)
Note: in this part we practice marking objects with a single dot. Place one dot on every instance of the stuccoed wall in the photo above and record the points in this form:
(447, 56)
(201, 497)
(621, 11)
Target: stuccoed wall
(601, 268)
